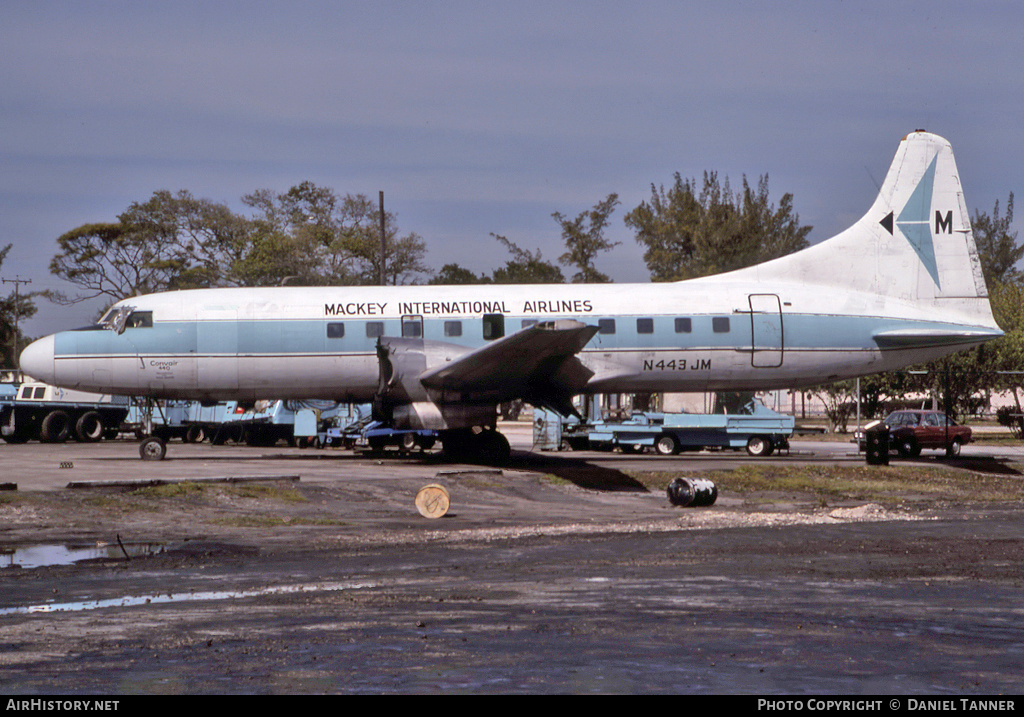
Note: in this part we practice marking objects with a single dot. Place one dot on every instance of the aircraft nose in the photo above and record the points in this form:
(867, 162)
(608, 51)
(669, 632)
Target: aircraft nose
(37, 360)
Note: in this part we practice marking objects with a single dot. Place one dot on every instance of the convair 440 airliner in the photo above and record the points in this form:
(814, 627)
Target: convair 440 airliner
(901, 286)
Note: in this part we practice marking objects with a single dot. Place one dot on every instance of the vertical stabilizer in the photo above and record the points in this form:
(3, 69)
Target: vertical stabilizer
(914, 244)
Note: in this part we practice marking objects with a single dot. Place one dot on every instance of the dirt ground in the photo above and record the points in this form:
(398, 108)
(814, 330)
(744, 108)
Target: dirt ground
(551, 576)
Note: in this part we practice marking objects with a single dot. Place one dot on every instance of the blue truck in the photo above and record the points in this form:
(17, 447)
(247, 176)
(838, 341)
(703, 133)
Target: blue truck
(756, 428)
(362, 431)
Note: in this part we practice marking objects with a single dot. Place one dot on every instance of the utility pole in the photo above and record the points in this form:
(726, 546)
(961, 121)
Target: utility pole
(383, 239)
(17, 281)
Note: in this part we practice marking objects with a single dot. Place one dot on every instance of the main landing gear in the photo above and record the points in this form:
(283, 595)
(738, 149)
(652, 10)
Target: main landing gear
(476, 445)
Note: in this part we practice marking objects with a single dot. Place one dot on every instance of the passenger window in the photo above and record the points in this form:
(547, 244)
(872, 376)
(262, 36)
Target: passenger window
(335, 330)
(139, 320)
(606, 326)
(645, 326)
(453, 328)
(494, 326)
(720, 324)
(684, 325)
(374, 329)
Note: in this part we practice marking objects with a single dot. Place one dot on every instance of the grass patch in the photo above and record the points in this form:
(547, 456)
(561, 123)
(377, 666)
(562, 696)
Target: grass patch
(194, 489)
(825, 483)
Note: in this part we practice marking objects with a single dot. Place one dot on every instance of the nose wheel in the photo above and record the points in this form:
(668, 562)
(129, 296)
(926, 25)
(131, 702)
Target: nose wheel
(153, 449)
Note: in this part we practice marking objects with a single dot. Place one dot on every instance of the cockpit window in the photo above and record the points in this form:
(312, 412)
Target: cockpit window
(139, 320)
(124, 317)
(107, 317)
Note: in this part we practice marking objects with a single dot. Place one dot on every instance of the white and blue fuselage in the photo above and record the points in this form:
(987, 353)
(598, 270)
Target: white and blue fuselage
(320, 342)
(901, 286)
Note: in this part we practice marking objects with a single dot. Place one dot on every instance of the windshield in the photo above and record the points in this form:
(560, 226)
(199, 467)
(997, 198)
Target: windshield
(116, 317)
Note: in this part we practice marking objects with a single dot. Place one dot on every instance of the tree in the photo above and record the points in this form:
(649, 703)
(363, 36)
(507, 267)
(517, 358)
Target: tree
(308, 235)
(998, 249)
(525, 267)
(584, 238)
(455, 274)
(14, 307)
(689, 232)
(170, 241)
(311, 235)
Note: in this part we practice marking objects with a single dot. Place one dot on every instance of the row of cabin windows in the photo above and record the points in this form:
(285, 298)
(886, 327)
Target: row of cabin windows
(683, 325)
(494, 327)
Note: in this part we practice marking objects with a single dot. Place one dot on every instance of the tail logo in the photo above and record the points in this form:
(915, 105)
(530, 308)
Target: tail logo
(914, 221)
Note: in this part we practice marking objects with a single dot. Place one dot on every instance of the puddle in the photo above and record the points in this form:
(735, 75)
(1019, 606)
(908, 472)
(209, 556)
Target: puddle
(37, 556)
(133, 600)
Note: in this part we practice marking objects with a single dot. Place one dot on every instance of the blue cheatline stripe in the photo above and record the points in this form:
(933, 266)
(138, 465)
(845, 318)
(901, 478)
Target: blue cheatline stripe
(802, 332)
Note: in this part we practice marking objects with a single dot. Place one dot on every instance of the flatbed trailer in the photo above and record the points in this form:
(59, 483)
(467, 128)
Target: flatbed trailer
(760, 431)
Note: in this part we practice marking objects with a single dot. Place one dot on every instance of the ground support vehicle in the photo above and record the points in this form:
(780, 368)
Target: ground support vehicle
(301, 423)
(37, 411)
(372, 435)
(190, 421)
(759, 430)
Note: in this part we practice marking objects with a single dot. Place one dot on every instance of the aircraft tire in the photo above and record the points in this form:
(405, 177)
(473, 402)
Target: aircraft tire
(152, 449)
(695, 492)
(492, 447)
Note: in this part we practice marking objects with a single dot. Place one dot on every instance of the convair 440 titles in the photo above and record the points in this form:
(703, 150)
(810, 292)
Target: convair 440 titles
(901, 286)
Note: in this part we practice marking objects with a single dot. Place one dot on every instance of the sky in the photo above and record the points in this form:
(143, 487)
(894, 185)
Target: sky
(486, 117)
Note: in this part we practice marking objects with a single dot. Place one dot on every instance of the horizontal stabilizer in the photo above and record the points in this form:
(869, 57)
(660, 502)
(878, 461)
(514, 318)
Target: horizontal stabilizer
(921, 338)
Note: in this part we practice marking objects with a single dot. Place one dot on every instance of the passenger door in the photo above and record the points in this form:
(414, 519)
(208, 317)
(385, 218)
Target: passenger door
(766, 332)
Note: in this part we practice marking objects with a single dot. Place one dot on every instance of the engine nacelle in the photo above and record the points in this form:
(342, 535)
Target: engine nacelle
(402, 401)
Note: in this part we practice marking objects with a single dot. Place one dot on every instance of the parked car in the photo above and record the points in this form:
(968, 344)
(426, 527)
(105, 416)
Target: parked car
(912, 431)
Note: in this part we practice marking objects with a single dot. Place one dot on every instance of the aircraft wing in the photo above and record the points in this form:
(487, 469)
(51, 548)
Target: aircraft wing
(537, 364)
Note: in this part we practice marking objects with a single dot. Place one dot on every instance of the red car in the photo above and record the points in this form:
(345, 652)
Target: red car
(910, 431)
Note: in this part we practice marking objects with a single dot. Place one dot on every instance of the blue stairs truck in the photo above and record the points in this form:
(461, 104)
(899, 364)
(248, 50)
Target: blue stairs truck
(759, 430)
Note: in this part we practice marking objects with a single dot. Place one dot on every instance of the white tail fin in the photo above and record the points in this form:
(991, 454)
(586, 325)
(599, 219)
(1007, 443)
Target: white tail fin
(914, 244)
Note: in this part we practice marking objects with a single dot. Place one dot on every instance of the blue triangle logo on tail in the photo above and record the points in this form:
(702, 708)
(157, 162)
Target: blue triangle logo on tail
(914, 221)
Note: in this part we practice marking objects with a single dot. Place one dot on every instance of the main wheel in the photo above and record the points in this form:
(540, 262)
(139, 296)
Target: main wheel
(492, 447)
